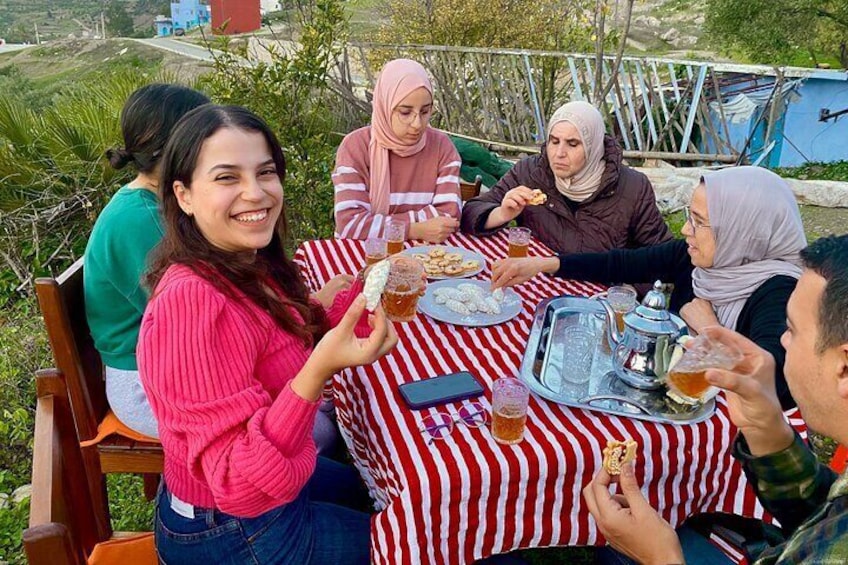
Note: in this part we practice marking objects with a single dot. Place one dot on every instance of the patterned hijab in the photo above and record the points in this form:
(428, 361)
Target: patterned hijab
(758, 235)
(590, 125)
(396, 81)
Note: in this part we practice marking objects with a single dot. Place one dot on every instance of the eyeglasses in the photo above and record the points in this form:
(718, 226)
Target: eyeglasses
(692, 221)
(407, 116)
(441, 424)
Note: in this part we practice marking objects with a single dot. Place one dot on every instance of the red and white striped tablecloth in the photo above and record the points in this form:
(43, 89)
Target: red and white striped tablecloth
(467, 497)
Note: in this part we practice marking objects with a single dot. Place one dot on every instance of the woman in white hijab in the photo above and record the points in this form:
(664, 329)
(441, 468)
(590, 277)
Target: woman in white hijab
(588, 201)
(736, 267)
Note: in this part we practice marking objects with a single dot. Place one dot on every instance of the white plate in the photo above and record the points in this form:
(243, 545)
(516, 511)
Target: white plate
(510, 307)
(466, 256)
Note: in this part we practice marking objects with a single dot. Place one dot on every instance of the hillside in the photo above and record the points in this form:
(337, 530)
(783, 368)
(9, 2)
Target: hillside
(77, 18)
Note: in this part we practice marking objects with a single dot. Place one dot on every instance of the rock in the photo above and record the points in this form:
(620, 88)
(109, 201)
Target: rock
(670, 35)
(673, 188)
(647, 21)
(21, 493)
(4, 500)
(700, 20)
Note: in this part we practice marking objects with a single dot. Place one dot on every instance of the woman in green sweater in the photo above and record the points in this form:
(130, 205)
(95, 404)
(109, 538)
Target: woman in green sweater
(126, 230)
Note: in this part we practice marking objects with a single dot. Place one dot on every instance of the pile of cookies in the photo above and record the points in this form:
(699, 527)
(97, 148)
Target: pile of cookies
(439, 263)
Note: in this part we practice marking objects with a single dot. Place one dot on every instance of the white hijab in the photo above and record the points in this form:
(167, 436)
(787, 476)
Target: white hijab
(758, 234)
(590, 125)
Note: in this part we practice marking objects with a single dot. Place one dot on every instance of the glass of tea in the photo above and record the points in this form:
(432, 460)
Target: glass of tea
(688, 377)
(395, 233)
(405, 285)
(375, 250)
(622, 299)
(509, 410)
(519, 241)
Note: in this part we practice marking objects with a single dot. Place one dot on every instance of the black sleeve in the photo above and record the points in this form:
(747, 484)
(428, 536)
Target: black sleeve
(763, 321)
(668, 262)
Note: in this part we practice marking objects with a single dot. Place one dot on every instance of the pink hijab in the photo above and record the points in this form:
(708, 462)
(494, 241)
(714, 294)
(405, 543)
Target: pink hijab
(396, 81)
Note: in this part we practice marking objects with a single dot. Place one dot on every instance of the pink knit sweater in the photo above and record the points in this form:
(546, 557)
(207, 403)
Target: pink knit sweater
(424, 185)
(217, 373)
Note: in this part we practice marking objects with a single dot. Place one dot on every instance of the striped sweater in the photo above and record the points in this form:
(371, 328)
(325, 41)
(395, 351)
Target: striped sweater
(424, 185)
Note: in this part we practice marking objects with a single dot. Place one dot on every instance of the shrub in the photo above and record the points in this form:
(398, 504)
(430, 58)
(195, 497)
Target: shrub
(288, 87)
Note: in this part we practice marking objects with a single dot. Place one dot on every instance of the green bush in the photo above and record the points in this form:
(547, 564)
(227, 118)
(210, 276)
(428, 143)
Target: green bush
(13, 521)
(289, 89)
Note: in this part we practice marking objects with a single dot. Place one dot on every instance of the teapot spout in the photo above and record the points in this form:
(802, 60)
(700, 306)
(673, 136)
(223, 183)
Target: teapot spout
(613, 333)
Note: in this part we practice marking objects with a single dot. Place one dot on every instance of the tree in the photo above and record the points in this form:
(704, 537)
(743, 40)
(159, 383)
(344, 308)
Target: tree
(772, 31)
(118, 21)
(560, 25)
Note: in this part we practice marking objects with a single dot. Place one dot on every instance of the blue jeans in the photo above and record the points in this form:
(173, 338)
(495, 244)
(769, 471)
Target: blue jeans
(697, 550)
(318, 527)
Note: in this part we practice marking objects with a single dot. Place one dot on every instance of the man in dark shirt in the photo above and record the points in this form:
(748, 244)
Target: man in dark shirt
(809, 500)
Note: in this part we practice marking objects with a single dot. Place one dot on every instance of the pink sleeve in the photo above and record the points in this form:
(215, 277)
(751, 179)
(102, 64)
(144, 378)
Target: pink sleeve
(447, 200)
(197, 362)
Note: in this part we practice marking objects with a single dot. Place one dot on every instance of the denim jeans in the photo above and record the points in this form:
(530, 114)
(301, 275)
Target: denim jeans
(697, 550)
(320, 526)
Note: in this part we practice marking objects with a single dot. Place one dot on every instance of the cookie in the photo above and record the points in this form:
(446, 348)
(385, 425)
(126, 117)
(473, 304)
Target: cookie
(617, 453)
(538, 198)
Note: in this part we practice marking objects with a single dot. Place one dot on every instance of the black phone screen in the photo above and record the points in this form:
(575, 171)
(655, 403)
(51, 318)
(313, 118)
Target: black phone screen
(440, 390)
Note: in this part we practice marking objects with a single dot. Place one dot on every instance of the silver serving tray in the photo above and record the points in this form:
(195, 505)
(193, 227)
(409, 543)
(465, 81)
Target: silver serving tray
(542, 368)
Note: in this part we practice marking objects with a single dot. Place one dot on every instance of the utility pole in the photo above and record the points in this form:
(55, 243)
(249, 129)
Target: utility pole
(102, 25)
(37, 39)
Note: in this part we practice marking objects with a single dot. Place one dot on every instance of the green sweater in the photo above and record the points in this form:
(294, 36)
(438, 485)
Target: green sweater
(115, 261)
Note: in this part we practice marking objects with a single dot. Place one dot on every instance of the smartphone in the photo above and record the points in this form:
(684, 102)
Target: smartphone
(440, 390)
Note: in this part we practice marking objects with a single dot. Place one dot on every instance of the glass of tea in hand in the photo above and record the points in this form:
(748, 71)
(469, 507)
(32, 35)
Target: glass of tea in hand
(688, 377)
(405, 285)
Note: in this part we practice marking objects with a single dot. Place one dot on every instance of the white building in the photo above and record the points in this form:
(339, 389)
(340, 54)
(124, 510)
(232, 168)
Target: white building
(266, 6)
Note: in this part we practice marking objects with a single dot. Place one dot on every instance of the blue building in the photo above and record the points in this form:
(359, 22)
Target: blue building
(188, 14)
(164, 26)
(800, 129)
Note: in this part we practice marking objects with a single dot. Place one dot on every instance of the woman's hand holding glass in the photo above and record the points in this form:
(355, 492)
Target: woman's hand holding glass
(340, 348)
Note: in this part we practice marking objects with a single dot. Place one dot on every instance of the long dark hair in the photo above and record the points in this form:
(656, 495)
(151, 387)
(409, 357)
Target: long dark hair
(148, 116)
(231, 273)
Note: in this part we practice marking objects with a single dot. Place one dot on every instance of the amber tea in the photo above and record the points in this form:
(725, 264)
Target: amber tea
(508, 425)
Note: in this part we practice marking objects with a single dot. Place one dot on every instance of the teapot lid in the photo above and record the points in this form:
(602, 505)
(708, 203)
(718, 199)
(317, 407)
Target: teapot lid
(652, 316)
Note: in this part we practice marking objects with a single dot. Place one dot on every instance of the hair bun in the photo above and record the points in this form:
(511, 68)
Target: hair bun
(119, 158)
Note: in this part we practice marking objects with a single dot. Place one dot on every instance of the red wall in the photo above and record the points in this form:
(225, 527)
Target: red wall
(243, 15)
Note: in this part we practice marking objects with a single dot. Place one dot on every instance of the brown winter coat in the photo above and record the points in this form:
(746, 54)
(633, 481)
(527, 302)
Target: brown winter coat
(621, 214)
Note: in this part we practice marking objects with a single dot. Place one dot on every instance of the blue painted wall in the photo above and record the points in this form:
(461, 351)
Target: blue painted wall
(804, 138)
(187, 14)
(163, 29)
(817, 141)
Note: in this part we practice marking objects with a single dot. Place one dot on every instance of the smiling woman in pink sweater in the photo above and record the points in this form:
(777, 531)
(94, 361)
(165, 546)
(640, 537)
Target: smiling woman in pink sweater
(233, 354)
(398, 168)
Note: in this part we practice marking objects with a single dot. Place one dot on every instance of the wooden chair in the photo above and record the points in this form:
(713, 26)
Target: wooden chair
(78, 362)
(64, 517)
(469, 190)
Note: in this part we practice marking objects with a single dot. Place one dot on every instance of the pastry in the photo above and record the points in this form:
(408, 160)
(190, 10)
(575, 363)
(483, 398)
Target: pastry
(617, 453)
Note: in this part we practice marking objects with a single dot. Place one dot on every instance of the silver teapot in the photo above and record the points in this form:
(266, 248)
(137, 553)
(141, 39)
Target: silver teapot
(641, 352)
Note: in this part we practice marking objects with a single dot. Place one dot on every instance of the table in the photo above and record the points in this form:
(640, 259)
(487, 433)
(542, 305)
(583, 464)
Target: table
(467, 497)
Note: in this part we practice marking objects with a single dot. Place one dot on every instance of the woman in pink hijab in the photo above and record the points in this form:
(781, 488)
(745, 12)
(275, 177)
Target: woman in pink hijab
(398, 169)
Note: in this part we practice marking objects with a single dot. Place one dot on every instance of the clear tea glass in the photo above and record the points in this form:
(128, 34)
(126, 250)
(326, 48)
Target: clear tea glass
(519, 241)
(509, 410)
(622, 299)
(395, 233)
(688, 376)
(375, 250)
(405, 286)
